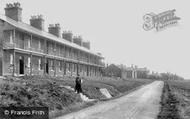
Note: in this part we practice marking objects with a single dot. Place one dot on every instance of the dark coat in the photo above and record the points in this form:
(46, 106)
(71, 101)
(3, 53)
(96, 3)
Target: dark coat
(78, 87)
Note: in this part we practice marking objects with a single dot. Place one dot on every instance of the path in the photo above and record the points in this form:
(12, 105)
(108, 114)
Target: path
(140, 104)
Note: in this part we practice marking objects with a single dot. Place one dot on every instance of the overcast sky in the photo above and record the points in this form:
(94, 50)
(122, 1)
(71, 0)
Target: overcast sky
(114, 28)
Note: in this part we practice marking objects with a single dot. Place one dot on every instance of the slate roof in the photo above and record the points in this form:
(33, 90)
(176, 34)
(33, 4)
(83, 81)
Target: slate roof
(44, 34)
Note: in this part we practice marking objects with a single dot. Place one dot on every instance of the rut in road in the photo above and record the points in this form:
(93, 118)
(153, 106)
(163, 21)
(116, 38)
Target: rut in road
(143, 103)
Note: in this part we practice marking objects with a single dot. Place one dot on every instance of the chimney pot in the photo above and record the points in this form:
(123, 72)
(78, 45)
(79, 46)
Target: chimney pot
(14, 11)
(67, 35)
(77, 40)
(55, 29)
(86, 44)
(37, 21)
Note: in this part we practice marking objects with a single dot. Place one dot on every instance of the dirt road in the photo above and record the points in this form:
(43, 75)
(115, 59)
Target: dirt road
(140, 104)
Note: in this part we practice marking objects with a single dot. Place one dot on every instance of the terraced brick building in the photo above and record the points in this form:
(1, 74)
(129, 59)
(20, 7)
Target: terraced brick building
(30, 50)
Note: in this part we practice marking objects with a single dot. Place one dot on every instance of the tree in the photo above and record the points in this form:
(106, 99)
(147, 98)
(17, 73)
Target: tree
(112, 71)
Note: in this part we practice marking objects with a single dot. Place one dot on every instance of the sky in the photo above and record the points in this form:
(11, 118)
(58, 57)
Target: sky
(114, 28)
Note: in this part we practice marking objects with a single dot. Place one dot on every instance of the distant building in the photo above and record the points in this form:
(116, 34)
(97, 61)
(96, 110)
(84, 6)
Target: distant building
(30, 50)
(134, 72)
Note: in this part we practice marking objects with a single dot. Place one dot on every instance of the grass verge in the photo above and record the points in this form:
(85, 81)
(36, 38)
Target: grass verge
(181, 89)
(48, 91)
(169, 104)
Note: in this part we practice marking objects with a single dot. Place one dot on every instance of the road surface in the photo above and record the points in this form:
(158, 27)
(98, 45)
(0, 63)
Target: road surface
(140, 104)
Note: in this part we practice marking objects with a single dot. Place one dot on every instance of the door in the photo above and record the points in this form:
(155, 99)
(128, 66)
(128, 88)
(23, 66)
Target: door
(21, 65)
(47, 67)
(1, 67)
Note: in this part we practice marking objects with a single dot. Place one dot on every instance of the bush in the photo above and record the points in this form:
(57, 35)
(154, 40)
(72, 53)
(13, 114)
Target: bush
(37, 94)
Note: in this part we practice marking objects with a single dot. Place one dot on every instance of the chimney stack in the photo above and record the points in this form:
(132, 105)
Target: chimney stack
(67, 35)
(37, 21)
(14, 11)
(55, 29)
(86, 44)
(77, 40)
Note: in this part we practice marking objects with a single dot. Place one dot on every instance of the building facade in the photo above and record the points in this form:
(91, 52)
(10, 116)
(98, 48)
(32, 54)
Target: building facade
(30, 50)
(134, 72)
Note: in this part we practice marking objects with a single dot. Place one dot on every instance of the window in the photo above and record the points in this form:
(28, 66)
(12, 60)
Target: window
(21, 40)
(40, 64)
(39, 45)
(29, 43)
(29, 61)
(52, 65)
(11, 59)
(60, 66)
(52, 48)
(11, 37)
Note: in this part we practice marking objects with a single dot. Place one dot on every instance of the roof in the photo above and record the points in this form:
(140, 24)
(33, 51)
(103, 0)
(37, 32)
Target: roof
(136, 68)
(33, 30)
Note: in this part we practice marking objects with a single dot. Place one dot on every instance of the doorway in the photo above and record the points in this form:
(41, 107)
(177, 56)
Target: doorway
(47, 67)
(21, 65)
(1, 67)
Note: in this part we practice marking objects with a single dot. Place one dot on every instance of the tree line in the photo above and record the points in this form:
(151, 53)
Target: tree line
(114, 70)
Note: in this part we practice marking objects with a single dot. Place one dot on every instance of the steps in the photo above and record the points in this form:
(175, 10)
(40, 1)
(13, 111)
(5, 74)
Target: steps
(83, 97)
